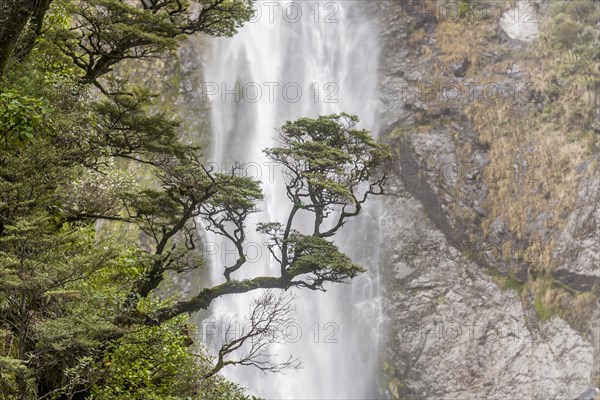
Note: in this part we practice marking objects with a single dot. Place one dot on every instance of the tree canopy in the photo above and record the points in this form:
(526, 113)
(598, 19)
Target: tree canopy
(81, 313)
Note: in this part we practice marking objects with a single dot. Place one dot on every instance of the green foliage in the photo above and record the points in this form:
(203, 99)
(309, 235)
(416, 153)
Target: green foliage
(571, 90)
(104, 32)
(80, 313)
(138, 132)
(508, 282)
(151, 363)
(464, 8)
(321, 260)
(41, 265)
(62, 285)
(327, 160)
(573, 29)
(19, 117)
(112, 29)
(10, 369)
(94, 192)
(542, 311)
(237, 193)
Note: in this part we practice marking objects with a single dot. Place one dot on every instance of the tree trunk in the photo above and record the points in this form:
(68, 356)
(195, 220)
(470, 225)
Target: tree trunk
(28, 38)
(14, 15)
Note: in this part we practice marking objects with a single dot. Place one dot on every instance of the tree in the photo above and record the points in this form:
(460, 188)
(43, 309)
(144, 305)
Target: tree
(14, 16)
(105, 32)
(268, 317)
(61, 285)
(78, 306)
(331, 170)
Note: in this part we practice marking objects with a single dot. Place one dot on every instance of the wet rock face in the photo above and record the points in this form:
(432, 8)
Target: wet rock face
(453, 332)
(578, 252)
(590, 394)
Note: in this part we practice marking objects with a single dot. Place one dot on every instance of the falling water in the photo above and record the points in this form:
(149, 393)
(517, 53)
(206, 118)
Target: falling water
(293, 60)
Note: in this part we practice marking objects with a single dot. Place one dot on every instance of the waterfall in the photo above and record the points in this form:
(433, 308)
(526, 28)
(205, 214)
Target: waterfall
(299, 59)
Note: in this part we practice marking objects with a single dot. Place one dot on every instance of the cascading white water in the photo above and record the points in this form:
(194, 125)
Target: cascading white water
(299, 59)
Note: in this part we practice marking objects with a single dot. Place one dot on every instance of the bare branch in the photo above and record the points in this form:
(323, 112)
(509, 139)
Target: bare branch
(268, 317)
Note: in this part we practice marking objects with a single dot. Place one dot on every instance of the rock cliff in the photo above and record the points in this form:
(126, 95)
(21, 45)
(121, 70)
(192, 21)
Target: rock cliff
(492, 269)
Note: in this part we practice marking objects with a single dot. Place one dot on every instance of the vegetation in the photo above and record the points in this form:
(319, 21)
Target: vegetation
(539, 142)
(538, 135)
(79, 312)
